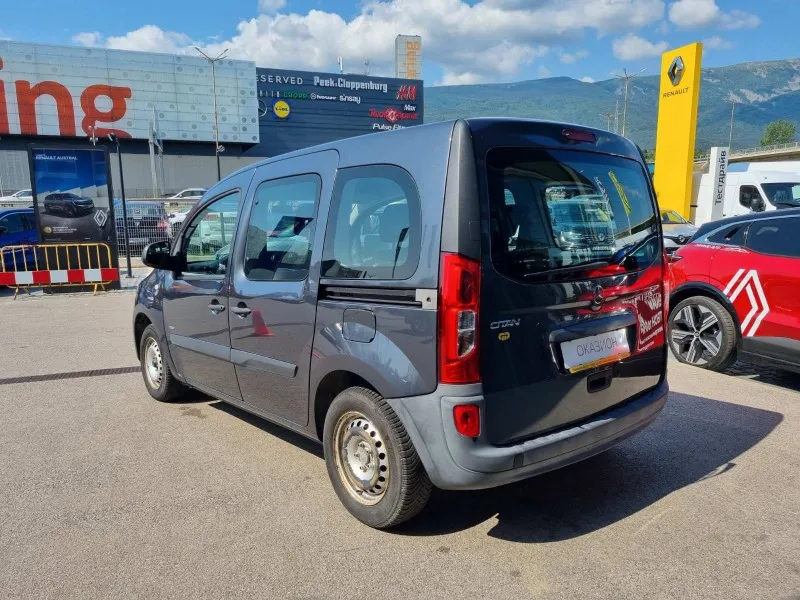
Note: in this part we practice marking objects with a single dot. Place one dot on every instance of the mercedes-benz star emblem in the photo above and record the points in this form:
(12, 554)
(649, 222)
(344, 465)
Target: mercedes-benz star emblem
(597, 300)
(675, 71)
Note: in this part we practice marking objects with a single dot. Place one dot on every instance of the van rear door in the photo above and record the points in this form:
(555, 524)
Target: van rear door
(572, 299)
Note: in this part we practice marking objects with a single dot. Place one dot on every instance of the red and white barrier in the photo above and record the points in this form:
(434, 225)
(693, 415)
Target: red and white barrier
(74, 276)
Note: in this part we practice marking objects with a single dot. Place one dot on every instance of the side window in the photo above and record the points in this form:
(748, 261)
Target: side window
(374, 227)
(730, 236)
(778, 237)
(207, 239)
(749, 196)
(280, 233)
(13, 223)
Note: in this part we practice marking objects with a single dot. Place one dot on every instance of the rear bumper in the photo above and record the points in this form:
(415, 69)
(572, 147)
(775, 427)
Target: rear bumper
(455, 462)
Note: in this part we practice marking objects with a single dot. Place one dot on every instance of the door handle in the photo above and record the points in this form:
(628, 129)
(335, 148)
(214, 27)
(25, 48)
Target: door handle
(241, 310)
(216, 307)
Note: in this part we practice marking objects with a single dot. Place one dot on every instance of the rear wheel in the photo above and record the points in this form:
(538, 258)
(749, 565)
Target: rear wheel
(702, 333)
(158, 378)
(371, 461)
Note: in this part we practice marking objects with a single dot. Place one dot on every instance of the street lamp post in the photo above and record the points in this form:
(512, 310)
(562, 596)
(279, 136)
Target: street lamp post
(213, 61)
(730, 136)
(115, 140)
(627, 79)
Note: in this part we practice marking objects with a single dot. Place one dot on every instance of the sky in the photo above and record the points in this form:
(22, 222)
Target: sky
(464, 41)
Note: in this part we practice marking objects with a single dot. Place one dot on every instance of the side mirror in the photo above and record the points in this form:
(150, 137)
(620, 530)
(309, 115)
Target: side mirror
(157, 256)
(758, 205)
(746, 201)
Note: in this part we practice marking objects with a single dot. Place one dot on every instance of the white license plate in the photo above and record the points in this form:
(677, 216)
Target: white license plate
(596, 350)
(138, 240)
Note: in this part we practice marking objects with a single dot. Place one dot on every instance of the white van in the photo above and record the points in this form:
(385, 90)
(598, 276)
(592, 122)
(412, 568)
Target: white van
(750, 191)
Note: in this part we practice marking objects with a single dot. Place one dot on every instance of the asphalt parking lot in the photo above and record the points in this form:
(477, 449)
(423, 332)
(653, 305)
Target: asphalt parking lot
(107, 493)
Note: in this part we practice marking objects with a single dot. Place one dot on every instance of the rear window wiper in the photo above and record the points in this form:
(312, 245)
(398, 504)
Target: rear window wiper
(569, 269)
(629, 249)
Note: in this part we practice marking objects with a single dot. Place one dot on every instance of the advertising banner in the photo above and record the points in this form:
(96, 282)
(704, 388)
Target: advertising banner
(408, 57)
(718, 164)
(73, 92)
(72, 194)
(298, 109)
(679, 94)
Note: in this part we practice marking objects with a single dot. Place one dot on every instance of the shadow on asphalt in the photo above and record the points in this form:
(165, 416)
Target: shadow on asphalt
(282, 433)
(766, 374)
(693, 439)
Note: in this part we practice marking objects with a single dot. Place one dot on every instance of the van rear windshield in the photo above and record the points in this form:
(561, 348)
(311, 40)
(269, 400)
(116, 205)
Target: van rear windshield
(562, 208)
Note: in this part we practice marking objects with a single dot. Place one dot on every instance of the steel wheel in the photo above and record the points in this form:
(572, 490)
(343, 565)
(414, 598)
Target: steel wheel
(361, 458)
(696, 334)
(153, 363)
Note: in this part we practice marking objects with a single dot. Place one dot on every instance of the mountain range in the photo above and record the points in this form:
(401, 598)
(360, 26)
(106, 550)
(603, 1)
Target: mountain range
(762, 91)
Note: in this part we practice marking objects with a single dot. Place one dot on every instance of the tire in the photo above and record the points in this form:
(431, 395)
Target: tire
(697, 326)
(396, 487)
(166, 388)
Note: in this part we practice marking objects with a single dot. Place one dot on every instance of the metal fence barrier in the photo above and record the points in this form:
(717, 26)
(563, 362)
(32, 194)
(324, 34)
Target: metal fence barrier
(56, 265)
(149, 220)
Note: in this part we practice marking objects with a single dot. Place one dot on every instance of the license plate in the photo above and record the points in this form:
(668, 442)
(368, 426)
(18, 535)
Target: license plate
(138, 240)
(586, 353)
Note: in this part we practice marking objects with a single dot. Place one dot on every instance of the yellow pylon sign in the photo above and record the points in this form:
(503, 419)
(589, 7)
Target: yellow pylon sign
(678, 99)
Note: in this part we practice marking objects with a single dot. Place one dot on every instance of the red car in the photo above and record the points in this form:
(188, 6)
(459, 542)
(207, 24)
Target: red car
(736, 292)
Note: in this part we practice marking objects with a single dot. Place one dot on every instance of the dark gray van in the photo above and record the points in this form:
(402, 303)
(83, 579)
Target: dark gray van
(407, 299)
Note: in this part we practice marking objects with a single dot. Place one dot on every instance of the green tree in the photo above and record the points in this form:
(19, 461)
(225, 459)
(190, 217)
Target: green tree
(779, 132)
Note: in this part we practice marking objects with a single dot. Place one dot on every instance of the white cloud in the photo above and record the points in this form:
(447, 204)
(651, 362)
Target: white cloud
(543, 71)
(149, 38)
(477, 41)
(633, 47)
(587, 79)
(88, 38)
(739, 19)
(696, 14)
(571, 57)
(716, 42)
(270, 6)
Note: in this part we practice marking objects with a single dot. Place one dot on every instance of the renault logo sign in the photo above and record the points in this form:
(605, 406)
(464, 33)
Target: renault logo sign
(675, 71)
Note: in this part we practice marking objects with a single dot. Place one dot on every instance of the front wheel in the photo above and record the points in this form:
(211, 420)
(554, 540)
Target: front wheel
(158, 378)
(371, 461)
(702, 333)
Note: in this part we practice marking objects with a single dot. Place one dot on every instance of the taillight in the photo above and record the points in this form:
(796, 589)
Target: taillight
(667, 276)
(459, 290)
(467, 418)
(162, 224)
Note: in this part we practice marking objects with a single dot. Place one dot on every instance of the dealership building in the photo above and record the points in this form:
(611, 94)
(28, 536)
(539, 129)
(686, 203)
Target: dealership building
(161, 108)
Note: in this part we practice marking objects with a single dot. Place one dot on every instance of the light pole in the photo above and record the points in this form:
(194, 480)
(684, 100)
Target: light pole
(627, 79)
(730, 137)
(607, 117)
(115, 140)
(213, 61)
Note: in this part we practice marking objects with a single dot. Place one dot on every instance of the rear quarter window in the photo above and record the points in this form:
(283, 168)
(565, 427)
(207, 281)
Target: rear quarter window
(374, 227)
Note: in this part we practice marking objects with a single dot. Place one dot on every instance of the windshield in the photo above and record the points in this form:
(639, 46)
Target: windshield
(670, 217)
(782, 194)
(552, 208)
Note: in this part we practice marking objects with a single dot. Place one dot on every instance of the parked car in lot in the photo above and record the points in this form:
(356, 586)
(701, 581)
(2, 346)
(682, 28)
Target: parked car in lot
(18, 197)
(67, 204)
(677, 230)
(736, 292)
(17, 228)
(147, 223)
(189, 194)
(404, 298)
